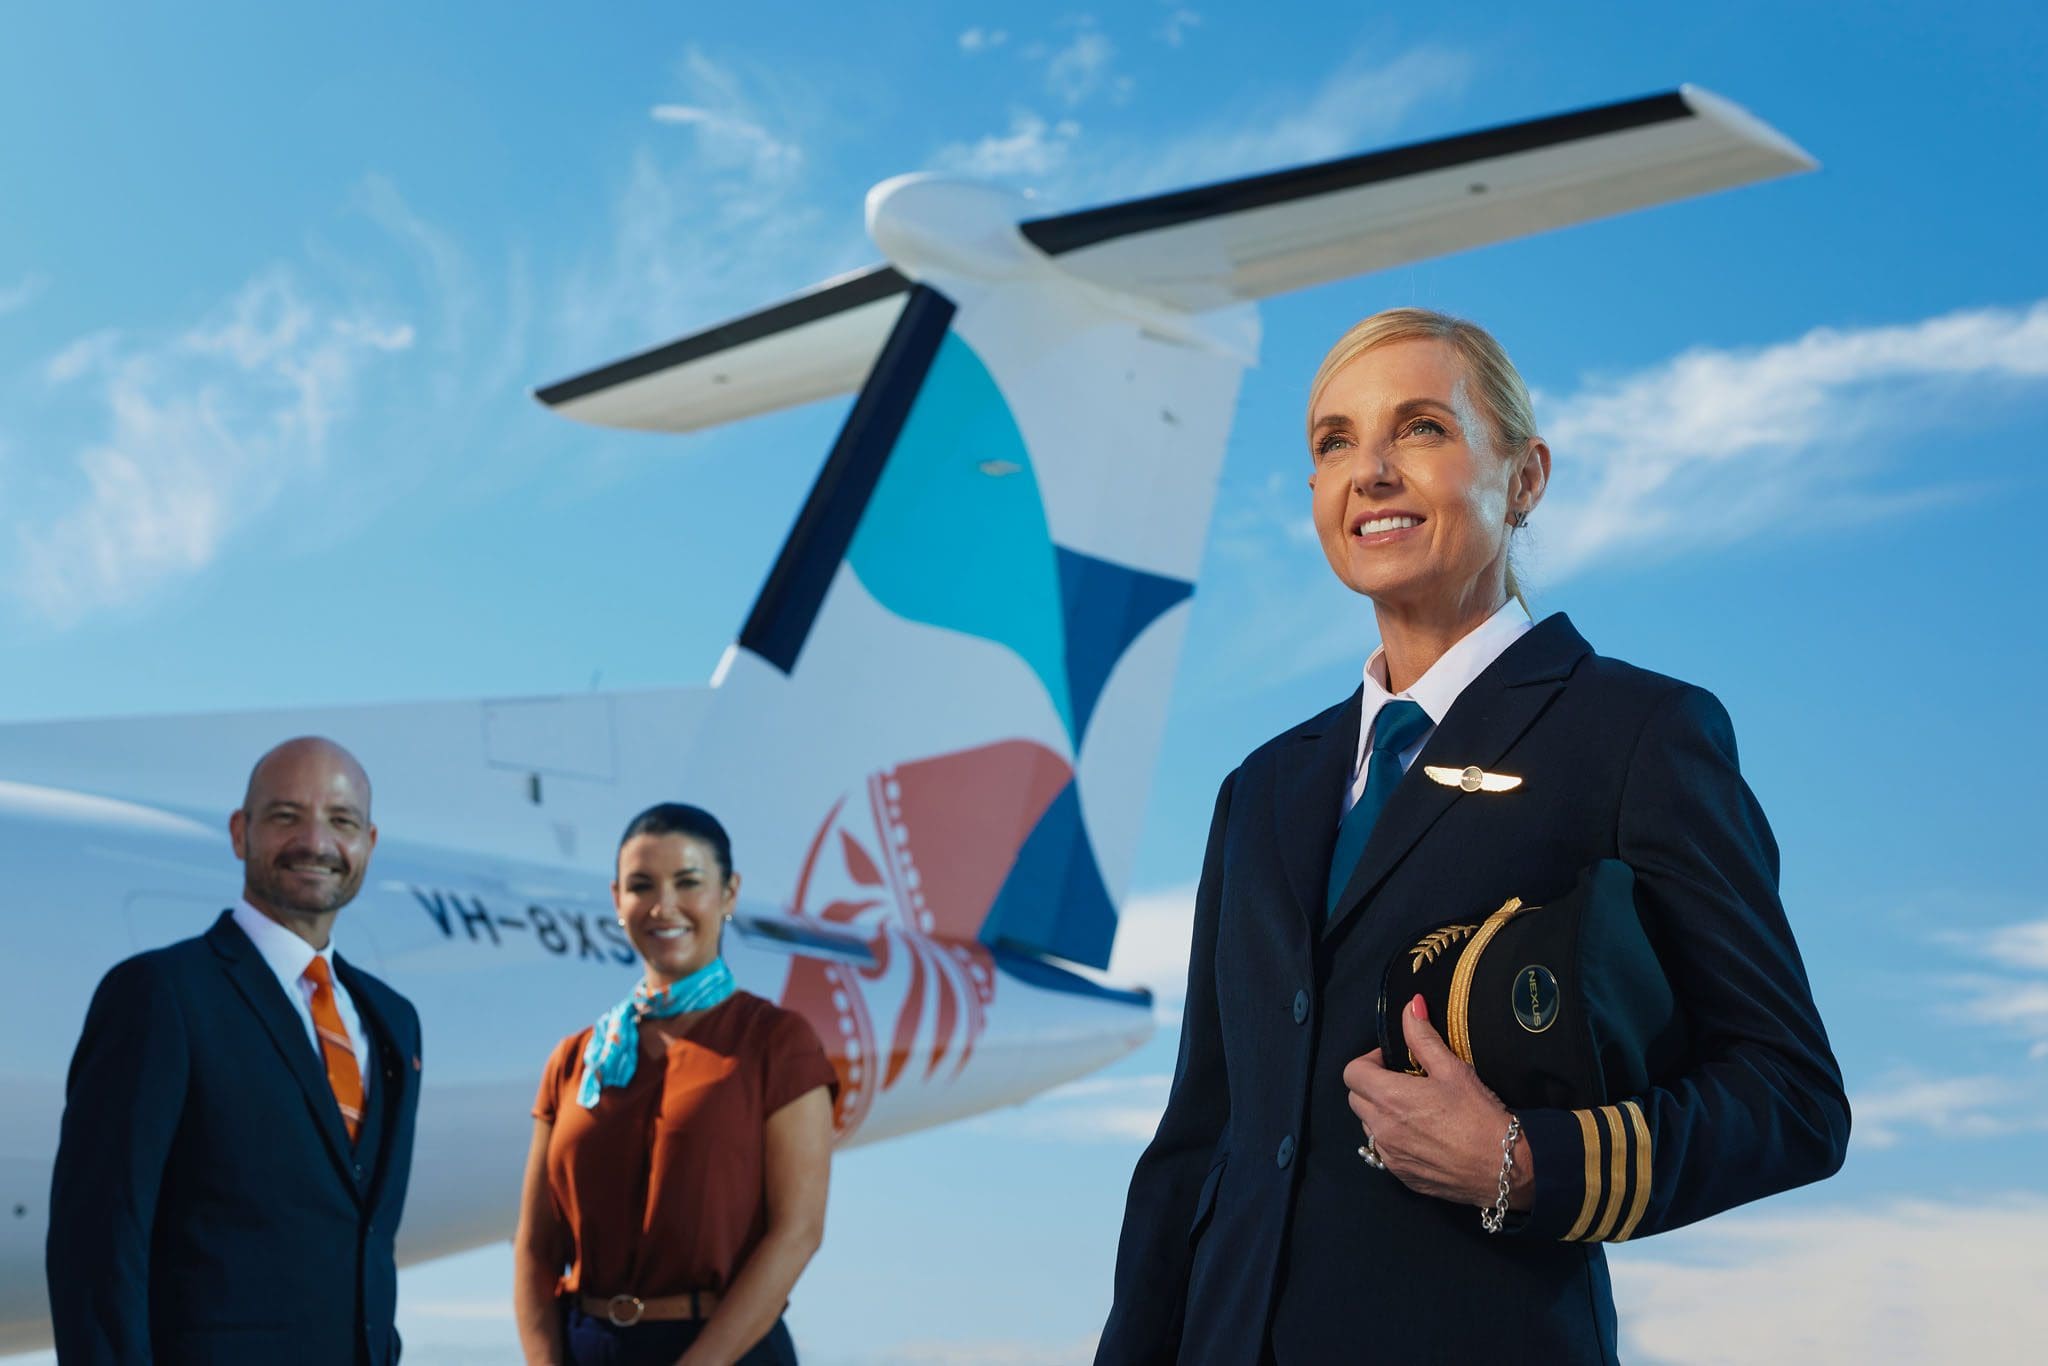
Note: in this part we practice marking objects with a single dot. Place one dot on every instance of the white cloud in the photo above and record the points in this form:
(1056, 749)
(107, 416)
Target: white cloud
(22, 293)
(1717, 446)
(732, 140)
(728, 116)
(983, 39)
(2025, 1007)
(688, 246)
(443, 267)
(166, 441)
(2019, 946)
(1908, 1281)
(1358, 104)
(699, 223)
(202, 431)
(1153, 935)
(81, 356)
(1946, 1107)
(1174, 31)
(1079, 70)
(471, 380)
(2015, 1007)
(1112, 1109)
(2013, 1000)
(1032, 147)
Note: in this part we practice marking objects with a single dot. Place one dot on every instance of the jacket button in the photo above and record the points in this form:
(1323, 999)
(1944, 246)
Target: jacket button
(359, 1171)
(1300, 1006)
(1286, 1153)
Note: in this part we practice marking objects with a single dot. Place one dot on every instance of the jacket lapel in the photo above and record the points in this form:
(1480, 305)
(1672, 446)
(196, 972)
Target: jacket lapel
(258, 986)
(385, 1048)
(1311, 777)
(1482, 726)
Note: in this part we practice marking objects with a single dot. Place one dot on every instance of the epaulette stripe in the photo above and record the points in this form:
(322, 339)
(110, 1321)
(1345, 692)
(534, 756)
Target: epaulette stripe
(1643, 1155)
(1592, 1200)
(1617, 1174)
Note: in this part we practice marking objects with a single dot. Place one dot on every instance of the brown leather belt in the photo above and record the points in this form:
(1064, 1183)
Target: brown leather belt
(627, 1310)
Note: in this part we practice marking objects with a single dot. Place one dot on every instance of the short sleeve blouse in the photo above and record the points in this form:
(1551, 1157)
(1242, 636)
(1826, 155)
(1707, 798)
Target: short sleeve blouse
(663, 1186)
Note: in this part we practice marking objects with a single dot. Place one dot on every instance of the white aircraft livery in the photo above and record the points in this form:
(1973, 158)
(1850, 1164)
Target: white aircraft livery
(933, 739)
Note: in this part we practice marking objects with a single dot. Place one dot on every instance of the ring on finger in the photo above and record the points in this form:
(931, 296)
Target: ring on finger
(1371, 1154)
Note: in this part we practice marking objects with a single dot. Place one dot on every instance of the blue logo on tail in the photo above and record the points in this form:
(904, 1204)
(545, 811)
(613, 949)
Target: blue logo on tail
(955, 536)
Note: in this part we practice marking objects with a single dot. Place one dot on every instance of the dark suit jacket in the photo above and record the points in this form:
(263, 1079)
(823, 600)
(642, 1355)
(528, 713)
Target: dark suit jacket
(207, 1205)
(1254, 1231)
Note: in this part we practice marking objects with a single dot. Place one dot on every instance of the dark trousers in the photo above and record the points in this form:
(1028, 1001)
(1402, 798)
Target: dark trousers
(599, 1342)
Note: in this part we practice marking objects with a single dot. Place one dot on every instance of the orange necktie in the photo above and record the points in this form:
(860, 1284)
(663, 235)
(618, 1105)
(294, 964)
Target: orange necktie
(335, 1049)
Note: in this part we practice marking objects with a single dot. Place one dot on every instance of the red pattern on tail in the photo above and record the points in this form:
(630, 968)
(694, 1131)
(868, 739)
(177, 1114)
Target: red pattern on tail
(918, 867)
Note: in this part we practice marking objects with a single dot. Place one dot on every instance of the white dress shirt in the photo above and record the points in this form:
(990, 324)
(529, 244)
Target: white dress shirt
(288, 957)
(1434, 691)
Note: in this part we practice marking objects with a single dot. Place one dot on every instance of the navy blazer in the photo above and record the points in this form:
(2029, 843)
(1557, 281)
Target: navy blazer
(1253, 1230)
(207, 1205)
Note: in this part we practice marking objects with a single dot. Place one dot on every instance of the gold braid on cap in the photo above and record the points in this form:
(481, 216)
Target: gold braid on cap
(1458, 1013)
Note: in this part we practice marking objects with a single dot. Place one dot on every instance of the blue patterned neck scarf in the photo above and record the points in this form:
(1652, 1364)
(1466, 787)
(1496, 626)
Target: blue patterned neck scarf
(612, 1054)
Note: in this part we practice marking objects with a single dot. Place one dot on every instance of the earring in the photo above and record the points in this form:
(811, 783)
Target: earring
(1521, 519)
(622, 922)
(728, 917)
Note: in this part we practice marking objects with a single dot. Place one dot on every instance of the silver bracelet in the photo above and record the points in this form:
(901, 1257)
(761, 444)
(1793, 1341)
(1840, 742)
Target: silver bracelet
(1492, 1219)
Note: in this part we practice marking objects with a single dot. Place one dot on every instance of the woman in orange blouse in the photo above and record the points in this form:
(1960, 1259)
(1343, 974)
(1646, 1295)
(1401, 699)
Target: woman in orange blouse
(681, 1146)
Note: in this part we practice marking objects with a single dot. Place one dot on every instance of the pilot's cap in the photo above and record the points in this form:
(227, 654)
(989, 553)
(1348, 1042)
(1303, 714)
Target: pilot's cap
(1562, 1004)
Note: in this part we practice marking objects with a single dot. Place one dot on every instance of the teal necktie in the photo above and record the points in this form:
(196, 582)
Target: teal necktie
(1398, 726)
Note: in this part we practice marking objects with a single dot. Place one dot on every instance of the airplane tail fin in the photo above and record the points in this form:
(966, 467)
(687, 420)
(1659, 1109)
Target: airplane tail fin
(945, 705)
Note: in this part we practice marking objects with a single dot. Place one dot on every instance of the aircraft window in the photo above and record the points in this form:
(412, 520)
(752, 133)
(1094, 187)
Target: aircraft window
(798, 937)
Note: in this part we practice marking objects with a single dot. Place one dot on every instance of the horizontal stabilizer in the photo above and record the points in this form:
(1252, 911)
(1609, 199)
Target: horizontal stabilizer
(1247, 239)
(1204, 248)
(819, 344)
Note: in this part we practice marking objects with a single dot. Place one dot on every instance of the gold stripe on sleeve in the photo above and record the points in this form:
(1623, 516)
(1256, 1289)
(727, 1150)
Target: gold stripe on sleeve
(1617, 1155)
(1642, 1198)
(1592, 1200)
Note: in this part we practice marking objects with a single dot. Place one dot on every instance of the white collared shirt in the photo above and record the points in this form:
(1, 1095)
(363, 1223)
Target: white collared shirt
(288, 956)
(1436, 690)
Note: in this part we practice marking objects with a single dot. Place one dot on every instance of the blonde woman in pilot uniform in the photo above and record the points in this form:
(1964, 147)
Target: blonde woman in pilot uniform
(1301, 1203)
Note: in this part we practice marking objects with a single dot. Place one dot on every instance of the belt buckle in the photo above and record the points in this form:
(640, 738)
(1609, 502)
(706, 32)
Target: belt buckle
(618, 1306)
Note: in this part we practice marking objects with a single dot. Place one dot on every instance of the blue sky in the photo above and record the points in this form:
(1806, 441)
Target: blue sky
(274, 285)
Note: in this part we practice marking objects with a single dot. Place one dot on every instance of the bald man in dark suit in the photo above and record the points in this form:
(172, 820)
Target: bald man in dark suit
(238, 1120)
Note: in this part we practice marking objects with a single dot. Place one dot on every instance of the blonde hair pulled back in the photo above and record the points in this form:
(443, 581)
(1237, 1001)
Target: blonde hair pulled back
(1501, 394)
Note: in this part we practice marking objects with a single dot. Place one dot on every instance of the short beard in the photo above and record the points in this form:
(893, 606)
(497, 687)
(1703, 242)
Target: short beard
(270, 891)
